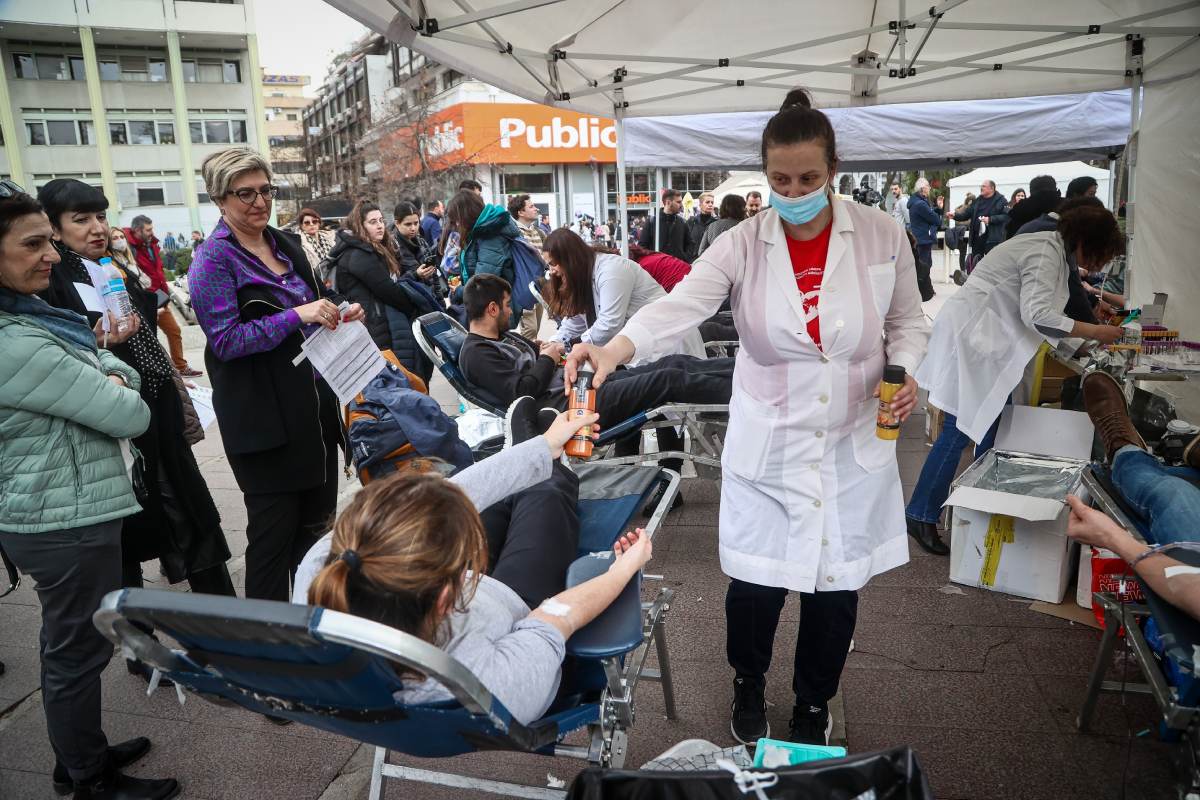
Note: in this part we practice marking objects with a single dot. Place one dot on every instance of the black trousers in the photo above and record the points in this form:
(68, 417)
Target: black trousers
(72, 570)
(533, 536)
(826, 627)
(924, 265)
(280, 528)
(671, 379)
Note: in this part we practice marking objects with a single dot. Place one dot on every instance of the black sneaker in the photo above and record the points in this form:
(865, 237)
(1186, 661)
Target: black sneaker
(810, 725)
(521, 421)
(119, 755)
(546, 417)
(112, 785)
(748, 722)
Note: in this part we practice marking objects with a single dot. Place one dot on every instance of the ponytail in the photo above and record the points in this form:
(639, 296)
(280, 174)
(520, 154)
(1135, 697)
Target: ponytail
(797, 121)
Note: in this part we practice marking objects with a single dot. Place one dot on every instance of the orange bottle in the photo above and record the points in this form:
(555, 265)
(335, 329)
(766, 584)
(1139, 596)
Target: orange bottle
(887, 425)
(583, 401)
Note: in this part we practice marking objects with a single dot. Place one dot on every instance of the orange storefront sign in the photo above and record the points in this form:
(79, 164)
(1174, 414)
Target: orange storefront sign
(504, 133)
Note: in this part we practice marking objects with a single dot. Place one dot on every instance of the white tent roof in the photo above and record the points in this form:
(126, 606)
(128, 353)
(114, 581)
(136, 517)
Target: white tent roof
(741, 183)
(1010, 178)
(1025, 130)
(677, 58)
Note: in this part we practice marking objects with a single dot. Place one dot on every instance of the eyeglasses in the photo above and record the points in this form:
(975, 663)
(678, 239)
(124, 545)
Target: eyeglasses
(9, 189)
(311, 221)
(250, 196)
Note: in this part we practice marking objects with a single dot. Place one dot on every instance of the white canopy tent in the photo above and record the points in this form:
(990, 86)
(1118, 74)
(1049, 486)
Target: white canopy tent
(646, 57)
(904, 136)
(1009, 179)
(741, 183)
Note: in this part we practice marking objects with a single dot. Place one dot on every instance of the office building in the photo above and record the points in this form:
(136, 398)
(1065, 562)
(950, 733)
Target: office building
(130, 97)
(284, 101)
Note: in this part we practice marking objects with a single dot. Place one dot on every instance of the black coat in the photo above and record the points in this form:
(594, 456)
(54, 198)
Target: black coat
(696, 226)
(1031, 208)
(280, 423)
(672, 240)
(364, 278)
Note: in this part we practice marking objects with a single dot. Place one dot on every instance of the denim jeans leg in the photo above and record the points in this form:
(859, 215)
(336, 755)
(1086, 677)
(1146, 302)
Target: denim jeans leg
(1162, 495)
(933, 487)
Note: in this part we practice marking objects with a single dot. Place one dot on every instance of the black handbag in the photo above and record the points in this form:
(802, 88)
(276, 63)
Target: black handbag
(14, 577)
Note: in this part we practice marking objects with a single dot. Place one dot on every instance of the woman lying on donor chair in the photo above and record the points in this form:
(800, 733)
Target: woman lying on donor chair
(411, 552)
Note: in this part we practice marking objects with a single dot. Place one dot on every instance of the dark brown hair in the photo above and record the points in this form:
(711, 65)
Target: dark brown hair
(481, 291)
(385, 249)
(307, 212)
(461, 213)
(797, 121)
(1084, 222)
(415, 536)
(576, 261)
(733, 206)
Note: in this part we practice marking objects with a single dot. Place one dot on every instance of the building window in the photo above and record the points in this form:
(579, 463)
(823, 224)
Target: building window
(87, 131)
(239, 130)
(695, 181)
(208, 71)
(24, 65)
(110, 70)
(196, 132)
(52, 68)
(216, 131)
(189, 71)
(232, 72)
(62, 131)
(166, 133)
(133, 68)
(141, 132)
(291, 117)
(452, 78)
(150, 196)
(117, 133)
(36, 132)
(158, 70)
(77, 71)
(527, 183)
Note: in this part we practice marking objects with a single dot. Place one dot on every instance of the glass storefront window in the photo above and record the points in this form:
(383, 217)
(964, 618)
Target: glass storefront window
(527, 183)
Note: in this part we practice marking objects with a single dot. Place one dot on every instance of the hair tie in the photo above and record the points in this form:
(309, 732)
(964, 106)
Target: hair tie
(352, 560)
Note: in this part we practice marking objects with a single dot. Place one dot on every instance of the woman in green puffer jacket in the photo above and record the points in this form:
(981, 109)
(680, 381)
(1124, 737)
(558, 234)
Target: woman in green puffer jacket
(64, 489)
(487, 233)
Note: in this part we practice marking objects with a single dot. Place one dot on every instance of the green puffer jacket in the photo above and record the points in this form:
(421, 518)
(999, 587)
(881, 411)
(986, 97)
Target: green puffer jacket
(489, 247)
(60, 418)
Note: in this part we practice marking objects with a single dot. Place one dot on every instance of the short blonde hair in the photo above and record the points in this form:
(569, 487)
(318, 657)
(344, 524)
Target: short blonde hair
(707, 194)
(221, 169)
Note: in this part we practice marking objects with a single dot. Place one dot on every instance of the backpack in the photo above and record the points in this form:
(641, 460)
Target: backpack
(527, 266)
(395, 426)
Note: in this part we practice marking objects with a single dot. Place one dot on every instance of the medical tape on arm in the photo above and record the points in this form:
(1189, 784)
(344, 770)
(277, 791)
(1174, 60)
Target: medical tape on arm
(554, 608)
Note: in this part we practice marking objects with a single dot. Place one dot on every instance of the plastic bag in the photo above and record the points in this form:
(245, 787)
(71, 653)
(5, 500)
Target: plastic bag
(476, 426)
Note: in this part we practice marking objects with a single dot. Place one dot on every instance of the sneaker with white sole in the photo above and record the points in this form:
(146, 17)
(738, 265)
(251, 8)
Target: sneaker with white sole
(810, 725)
(748, 720)
(520, 421)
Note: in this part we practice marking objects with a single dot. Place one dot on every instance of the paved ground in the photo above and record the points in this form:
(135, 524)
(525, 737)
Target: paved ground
(984, 689)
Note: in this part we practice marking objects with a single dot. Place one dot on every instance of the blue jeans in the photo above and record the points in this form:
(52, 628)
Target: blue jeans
(933, 487)
(1164, 496)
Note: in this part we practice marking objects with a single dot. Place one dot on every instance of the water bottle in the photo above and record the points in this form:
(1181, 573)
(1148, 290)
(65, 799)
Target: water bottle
(115, 296)
(583, 401)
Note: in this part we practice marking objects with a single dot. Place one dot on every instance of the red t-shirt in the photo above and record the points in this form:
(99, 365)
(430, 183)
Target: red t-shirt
(808, 265)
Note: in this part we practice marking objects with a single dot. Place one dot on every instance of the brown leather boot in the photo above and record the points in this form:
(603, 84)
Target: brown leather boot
(1191, 453)
(1105, 403)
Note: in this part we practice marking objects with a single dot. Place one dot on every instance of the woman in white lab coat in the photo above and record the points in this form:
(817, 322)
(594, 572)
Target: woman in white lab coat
(595, 294)
(824, 294)
(986, 335)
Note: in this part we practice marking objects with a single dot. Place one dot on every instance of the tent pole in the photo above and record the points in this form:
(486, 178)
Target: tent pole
(622, 201)
(1134, 61)
(658, 187)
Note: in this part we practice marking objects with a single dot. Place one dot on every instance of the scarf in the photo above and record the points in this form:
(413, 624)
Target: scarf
(320, 245)
(61, 322)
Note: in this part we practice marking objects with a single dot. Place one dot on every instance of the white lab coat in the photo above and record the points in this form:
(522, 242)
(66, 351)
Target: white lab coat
(620, 288)
(810, 496)
(989, 330)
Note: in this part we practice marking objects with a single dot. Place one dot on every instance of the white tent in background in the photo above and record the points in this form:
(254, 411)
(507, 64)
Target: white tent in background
(741, 183)
(1009, 179)
(629, 58)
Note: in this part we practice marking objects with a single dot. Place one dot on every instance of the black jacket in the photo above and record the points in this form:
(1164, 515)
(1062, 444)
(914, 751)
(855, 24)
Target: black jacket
(280, 423)
(995, 208)
(696, 226)
(1030, 209)
(363, 277)
(672, 240)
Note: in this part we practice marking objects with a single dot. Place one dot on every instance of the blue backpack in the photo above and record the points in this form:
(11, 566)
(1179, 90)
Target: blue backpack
(527, 266)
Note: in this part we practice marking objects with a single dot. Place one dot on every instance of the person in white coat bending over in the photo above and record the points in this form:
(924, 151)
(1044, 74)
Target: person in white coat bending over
(988, 333)
(824, 294)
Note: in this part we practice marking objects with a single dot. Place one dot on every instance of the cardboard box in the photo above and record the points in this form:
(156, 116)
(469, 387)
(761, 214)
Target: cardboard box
(1011, 540)
(934, 417)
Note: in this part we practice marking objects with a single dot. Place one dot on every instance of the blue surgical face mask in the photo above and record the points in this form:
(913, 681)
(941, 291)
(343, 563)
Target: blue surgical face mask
(799, 210)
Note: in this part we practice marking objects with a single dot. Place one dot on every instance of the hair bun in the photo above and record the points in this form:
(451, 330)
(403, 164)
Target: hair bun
(797, 98)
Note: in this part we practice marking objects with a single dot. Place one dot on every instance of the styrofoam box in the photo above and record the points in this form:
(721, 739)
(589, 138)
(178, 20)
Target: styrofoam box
(1037, 563)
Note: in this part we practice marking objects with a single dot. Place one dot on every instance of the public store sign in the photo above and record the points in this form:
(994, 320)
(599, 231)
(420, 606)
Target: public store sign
(505, 133)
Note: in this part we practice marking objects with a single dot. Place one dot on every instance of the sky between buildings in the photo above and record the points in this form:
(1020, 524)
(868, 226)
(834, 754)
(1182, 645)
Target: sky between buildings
(301, 37)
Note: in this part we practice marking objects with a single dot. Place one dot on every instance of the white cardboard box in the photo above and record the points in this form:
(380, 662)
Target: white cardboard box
(1011, 542)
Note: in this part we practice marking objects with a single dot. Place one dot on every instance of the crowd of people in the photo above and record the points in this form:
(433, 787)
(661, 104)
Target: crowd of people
(96, 424)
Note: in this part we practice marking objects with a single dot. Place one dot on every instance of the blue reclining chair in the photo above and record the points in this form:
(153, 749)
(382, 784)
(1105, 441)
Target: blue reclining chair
(1177, 633)
(441, 338)
(338, 672)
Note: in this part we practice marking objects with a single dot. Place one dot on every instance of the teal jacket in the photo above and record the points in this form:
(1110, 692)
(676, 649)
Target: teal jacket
(489, 247)
(60, 419)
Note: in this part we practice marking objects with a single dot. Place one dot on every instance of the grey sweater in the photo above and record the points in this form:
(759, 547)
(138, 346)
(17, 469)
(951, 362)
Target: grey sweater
(516, 658)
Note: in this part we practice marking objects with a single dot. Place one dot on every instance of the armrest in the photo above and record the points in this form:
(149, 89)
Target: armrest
(618, 629)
